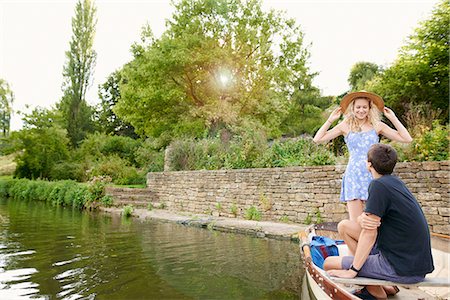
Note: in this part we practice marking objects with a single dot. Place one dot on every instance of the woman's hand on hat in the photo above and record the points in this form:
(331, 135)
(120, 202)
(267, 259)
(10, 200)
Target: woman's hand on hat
(335, 115)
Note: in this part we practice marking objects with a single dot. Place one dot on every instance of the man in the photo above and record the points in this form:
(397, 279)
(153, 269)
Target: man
(394, 220)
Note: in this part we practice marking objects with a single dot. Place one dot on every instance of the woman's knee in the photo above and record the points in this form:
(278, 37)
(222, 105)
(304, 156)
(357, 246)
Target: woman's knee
(343, 226)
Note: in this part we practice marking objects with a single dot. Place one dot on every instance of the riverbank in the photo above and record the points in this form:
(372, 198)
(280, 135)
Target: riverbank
(260, 229)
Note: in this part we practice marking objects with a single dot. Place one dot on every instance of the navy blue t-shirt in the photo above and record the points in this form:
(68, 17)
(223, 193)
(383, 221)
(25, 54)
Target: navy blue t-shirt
(403, 236)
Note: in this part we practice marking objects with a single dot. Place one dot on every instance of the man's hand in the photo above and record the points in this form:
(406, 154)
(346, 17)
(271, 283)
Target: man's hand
(342, 273)
(369, 221)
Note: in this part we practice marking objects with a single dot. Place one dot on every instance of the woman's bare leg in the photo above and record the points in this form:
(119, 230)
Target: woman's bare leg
(355, 209)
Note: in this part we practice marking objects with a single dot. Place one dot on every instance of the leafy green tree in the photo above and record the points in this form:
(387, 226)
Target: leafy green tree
(107, 120)
(219, 65)
(6, 101)
(420, 73)
(41, 145)
(361, 73)
(78, 72)
(42, 148)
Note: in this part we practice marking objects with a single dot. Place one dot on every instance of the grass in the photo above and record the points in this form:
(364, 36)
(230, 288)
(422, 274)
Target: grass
(7, 164)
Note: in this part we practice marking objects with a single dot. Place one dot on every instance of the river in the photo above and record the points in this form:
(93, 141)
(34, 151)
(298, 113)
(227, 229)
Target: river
(49, 252)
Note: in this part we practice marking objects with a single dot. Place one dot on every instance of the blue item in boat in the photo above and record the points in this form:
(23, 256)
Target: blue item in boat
(322, 247)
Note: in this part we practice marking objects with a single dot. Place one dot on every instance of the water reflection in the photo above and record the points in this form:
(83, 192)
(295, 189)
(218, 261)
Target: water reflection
(64, 254)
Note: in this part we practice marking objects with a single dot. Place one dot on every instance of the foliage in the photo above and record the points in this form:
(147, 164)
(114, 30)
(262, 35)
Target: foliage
(122, 146)
(245, 149)
(318, 217)
(234, 210)
(284, 219)
(118, 169)
(420, 73)
(96, 187)
(150, 156)
(304, 112)
(296, 152)
(431, 145)
(6, 103)
(40, 150)
(361, 73)
(78, 73)
(219, 64)
(107, 200)
(127, 211)
(150, 206)
(66, 193)
(252, 213)
(308, 219)
(108, 122)
(65, 170)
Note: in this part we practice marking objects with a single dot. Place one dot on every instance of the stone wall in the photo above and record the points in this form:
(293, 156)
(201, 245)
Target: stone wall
(297, 194)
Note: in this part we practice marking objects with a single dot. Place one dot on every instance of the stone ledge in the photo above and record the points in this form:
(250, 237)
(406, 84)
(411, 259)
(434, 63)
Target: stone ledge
(260, 229)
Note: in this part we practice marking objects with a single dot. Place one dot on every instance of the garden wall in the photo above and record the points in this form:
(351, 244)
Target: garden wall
(297, 194)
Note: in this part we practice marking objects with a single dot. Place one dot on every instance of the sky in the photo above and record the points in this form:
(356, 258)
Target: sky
(35, 34)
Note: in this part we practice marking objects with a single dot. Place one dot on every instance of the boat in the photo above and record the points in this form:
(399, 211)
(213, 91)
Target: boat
(321, 286)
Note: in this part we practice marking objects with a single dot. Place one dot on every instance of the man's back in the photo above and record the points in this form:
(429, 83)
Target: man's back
(403, 237)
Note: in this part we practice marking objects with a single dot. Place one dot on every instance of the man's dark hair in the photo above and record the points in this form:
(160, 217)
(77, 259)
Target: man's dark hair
(383, 158)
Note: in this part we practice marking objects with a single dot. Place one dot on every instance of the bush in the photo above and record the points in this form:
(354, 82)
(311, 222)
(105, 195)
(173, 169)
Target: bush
(118, 170)
(122, 146)
(296, 152)
(433, 144)
(66, 193)
(127, 211)
(66, 170)
(429, 144)
(253, 213)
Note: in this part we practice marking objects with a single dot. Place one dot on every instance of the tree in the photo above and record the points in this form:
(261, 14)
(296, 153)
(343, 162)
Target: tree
(41, 145)
(78, 73)
(107, 120)
(420, 73)
(361, 73)
(6, 102)
(219, 65)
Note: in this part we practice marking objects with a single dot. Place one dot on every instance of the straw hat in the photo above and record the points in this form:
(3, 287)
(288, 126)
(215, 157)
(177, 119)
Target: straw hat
(377, 100)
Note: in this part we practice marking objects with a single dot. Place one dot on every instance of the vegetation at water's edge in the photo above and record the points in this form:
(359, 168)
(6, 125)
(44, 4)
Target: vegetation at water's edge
(65, 193)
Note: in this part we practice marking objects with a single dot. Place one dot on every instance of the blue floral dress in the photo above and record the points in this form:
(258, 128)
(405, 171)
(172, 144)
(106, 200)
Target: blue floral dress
(355, 182)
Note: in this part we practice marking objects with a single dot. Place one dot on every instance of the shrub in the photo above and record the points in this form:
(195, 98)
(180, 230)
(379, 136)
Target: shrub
(41, 149)
(122, 146)
(67, 193)
(127, 211)
(66, 170)
(118, 170)
(107, 200)
(234, 210)
(432, 144)
(253, 213)
(296, 152)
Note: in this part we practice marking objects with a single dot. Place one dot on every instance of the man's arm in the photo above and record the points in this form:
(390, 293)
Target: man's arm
(366, 241)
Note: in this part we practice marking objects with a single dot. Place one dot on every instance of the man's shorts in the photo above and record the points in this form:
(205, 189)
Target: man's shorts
(377, 266)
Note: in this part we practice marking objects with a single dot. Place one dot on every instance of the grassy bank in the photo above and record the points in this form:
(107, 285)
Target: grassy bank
(65, 192)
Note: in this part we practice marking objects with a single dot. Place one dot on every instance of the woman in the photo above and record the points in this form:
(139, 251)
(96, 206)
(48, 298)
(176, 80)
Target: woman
(361, 127)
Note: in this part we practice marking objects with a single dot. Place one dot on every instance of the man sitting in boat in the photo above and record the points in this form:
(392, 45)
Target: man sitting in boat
(394, 220)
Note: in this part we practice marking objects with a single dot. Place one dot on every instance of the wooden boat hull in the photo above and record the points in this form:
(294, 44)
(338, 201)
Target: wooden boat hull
(321, 286)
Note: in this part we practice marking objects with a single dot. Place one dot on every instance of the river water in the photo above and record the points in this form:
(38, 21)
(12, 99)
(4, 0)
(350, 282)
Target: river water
(49, 252)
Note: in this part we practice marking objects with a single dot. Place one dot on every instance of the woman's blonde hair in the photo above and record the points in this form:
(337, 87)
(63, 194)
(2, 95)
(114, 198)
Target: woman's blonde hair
(374, 114)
